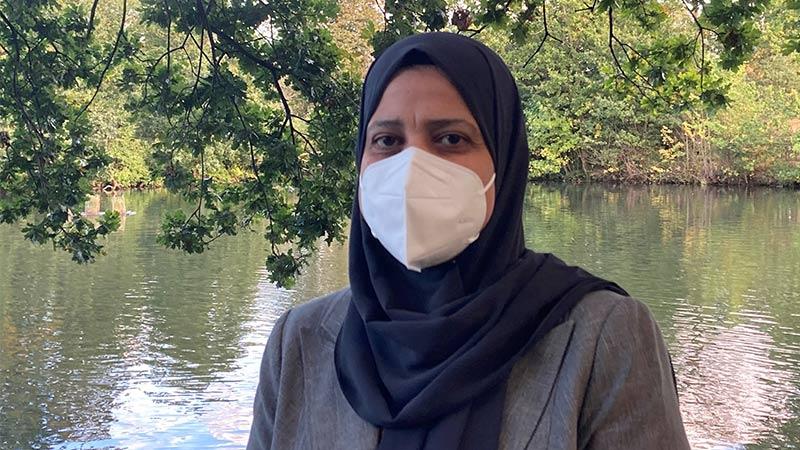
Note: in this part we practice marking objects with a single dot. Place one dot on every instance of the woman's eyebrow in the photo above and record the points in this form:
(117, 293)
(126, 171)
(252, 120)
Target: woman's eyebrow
(389, 123)
(437, 124)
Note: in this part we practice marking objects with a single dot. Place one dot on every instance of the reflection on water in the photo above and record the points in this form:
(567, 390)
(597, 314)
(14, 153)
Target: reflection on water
(744, 393)
(146, 347)
(150, 348)
(720, 268)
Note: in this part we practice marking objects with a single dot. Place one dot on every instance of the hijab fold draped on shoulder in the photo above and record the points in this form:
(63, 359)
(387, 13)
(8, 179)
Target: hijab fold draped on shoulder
(426, 356)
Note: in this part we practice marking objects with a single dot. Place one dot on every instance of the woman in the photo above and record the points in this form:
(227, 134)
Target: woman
(453, 335)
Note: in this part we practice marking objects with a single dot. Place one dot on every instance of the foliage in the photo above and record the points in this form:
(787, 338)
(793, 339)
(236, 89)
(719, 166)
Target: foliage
(49, 162)
(249, 108)
(403, 18)
(353, 30)
(584, 124)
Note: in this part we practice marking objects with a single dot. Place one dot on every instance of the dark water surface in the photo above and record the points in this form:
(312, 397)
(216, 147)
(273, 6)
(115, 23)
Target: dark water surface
(149, 348)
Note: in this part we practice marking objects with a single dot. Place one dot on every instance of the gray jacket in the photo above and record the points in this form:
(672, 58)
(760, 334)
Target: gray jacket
(600, 380)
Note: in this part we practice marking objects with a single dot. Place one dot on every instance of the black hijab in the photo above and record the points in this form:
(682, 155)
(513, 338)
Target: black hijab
(426, 356)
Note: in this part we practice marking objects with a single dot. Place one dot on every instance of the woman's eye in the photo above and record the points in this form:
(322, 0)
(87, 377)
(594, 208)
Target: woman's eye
(451, 139)
(387, 141)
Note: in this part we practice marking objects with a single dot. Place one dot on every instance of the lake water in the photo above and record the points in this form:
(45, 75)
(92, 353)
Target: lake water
(150, 348)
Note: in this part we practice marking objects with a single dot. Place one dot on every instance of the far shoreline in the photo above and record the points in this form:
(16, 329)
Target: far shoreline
(110, 189)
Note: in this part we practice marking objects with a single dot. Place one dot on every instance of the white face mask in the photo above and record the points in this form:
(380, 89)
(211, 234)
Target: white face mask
(425, 210)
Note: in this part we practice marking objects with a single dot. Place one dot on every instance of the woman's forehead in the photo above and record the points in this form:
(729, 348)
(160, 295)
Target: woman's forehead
(423, 93)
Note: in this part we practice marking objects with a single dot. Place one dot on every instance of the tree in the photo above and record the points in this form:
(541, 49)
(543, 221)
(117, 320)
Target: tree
(266, 81)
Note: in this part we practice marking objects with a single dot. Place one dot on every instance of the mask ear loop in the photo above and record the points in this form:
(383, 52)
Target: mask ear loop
(490, 183)
(485, 189)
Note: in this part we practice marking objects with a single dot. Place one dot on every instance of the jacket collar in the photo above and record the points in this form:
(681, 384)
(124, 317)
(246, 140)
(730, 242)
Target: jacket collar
(334, 314)
(529, 390)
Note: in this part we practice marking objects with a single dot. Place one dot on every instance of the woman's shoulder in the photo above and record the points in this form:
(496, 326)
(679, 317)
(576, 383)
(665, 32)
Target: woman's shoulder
(605, 319)
(321, 314)
(620, 363)
(600, 310)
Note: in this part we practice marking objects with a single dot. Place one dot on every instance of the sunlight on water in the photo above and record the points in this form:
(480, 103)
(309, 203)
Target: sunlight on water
(720, 269)
(149, 348)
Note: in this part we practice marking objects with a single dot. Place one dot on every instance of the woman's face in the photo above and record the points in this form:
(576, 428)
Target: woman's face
(421, 108)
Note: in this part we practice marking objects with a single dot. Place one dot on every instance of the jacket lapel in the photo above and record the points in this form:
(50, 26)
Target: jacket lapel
(333, 422)
(528, 391)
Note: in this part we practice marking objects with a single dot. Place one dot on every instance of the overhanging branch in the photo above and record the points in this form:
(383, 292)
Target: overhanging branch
(110, 59)
(544, 36)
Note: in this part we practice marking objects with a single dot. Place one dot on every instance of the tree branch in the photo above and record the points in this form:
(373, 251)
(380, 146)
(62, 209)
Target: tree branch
(167, 54)
(110, 59)
(700, 31)
(589, 8)
(544, 37)
(272, 71)
(504, 9)
(15, 38)
(611, 39)
(16, 34)
(90, 26)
